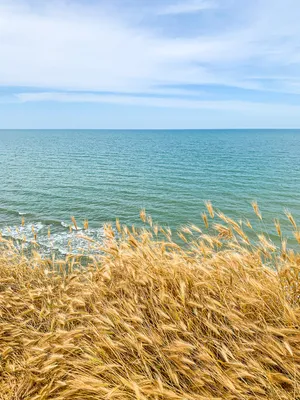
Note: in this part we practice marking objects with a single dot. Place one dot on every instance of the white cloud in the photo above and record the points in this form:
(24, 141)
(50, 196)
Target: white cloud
(63, 46)
(117, 99)
(71, 49)
(66, 50)
(75, 49)
(187, 7)
(250, 108)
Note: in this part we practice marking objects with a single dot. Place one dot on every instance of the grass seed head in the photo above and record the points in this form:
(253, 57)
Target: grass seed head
(74, 223)
(256, 210)
(152, 317)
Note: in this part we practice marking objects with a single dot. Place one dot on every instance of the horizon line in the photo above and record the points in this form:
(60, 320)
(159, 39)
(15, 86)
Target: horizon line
(148, 129)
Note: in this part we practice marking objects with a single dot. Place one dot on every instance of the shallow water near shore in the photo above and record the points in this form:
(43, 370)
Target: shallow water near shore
(48, 176)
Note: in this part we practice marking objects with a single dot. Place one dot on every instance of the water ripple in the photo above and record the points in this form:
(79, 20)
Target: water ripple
(98, 175)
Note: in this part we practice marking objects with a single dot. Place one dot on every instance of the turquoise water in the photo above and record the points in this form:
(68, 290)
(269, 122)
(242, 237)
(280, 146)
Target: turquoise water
(48, 176)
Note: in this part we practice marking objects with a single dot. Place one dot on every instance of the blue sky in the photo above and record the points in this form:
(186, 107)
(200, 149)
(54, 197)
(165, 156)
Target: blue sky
(149, 64)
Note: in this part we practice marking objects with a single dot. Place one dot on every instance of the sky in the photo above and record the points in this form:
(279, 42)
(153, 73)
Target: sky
(149, 64)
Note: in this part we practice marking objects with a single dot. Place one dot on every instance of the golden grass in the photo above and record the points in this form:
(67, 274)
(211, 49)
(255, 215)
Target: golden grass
(152, 319)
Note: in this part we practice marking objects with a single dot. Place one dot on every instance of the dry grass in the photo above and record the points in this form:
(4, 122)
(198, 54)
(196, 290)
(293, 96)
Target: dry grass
(153, 319)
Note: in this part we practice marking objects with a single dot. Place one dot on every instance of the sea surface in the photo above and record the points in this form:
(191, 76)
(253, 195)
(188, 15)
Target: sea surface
(48, 176)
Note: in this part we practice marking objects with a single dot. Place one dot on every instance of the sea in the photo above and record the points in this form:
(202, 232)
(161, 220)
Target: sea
(48, 176)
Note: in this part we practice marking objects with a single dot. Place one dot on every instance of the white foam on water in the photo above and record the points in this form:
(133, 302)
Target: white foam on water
(70, 225)
(19, 232)
(65, 242)
(75, 242)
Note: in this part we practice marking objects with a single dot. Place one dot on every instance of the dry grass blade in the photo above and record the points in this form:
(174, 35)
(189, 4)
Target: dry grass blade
(278, 227)
(74, 223)
(210, 209)
(85, 224)
(152, 319)
(297, 236)
(256, 209)
(205, 220)
(291, 219)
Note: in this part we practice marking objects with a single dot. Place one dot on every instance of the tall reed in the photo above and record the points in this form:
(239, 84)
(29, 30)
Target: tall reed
(151, 318)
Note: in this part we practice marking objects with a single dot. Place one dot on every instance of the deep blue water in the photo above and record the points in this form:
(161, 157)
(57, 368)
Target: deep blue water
(47, 176)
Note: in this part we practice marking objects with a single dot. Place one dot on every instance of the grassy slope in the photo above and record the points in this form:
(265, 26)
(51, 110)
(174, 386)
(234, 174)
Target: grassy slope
(152, 321)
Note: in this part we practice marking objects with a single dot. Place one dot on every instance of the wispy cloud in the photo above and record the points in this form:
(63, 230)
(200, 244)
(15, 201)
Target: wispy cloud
(80, 48)
(66, 47)
(187, 7)
(256, 108)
